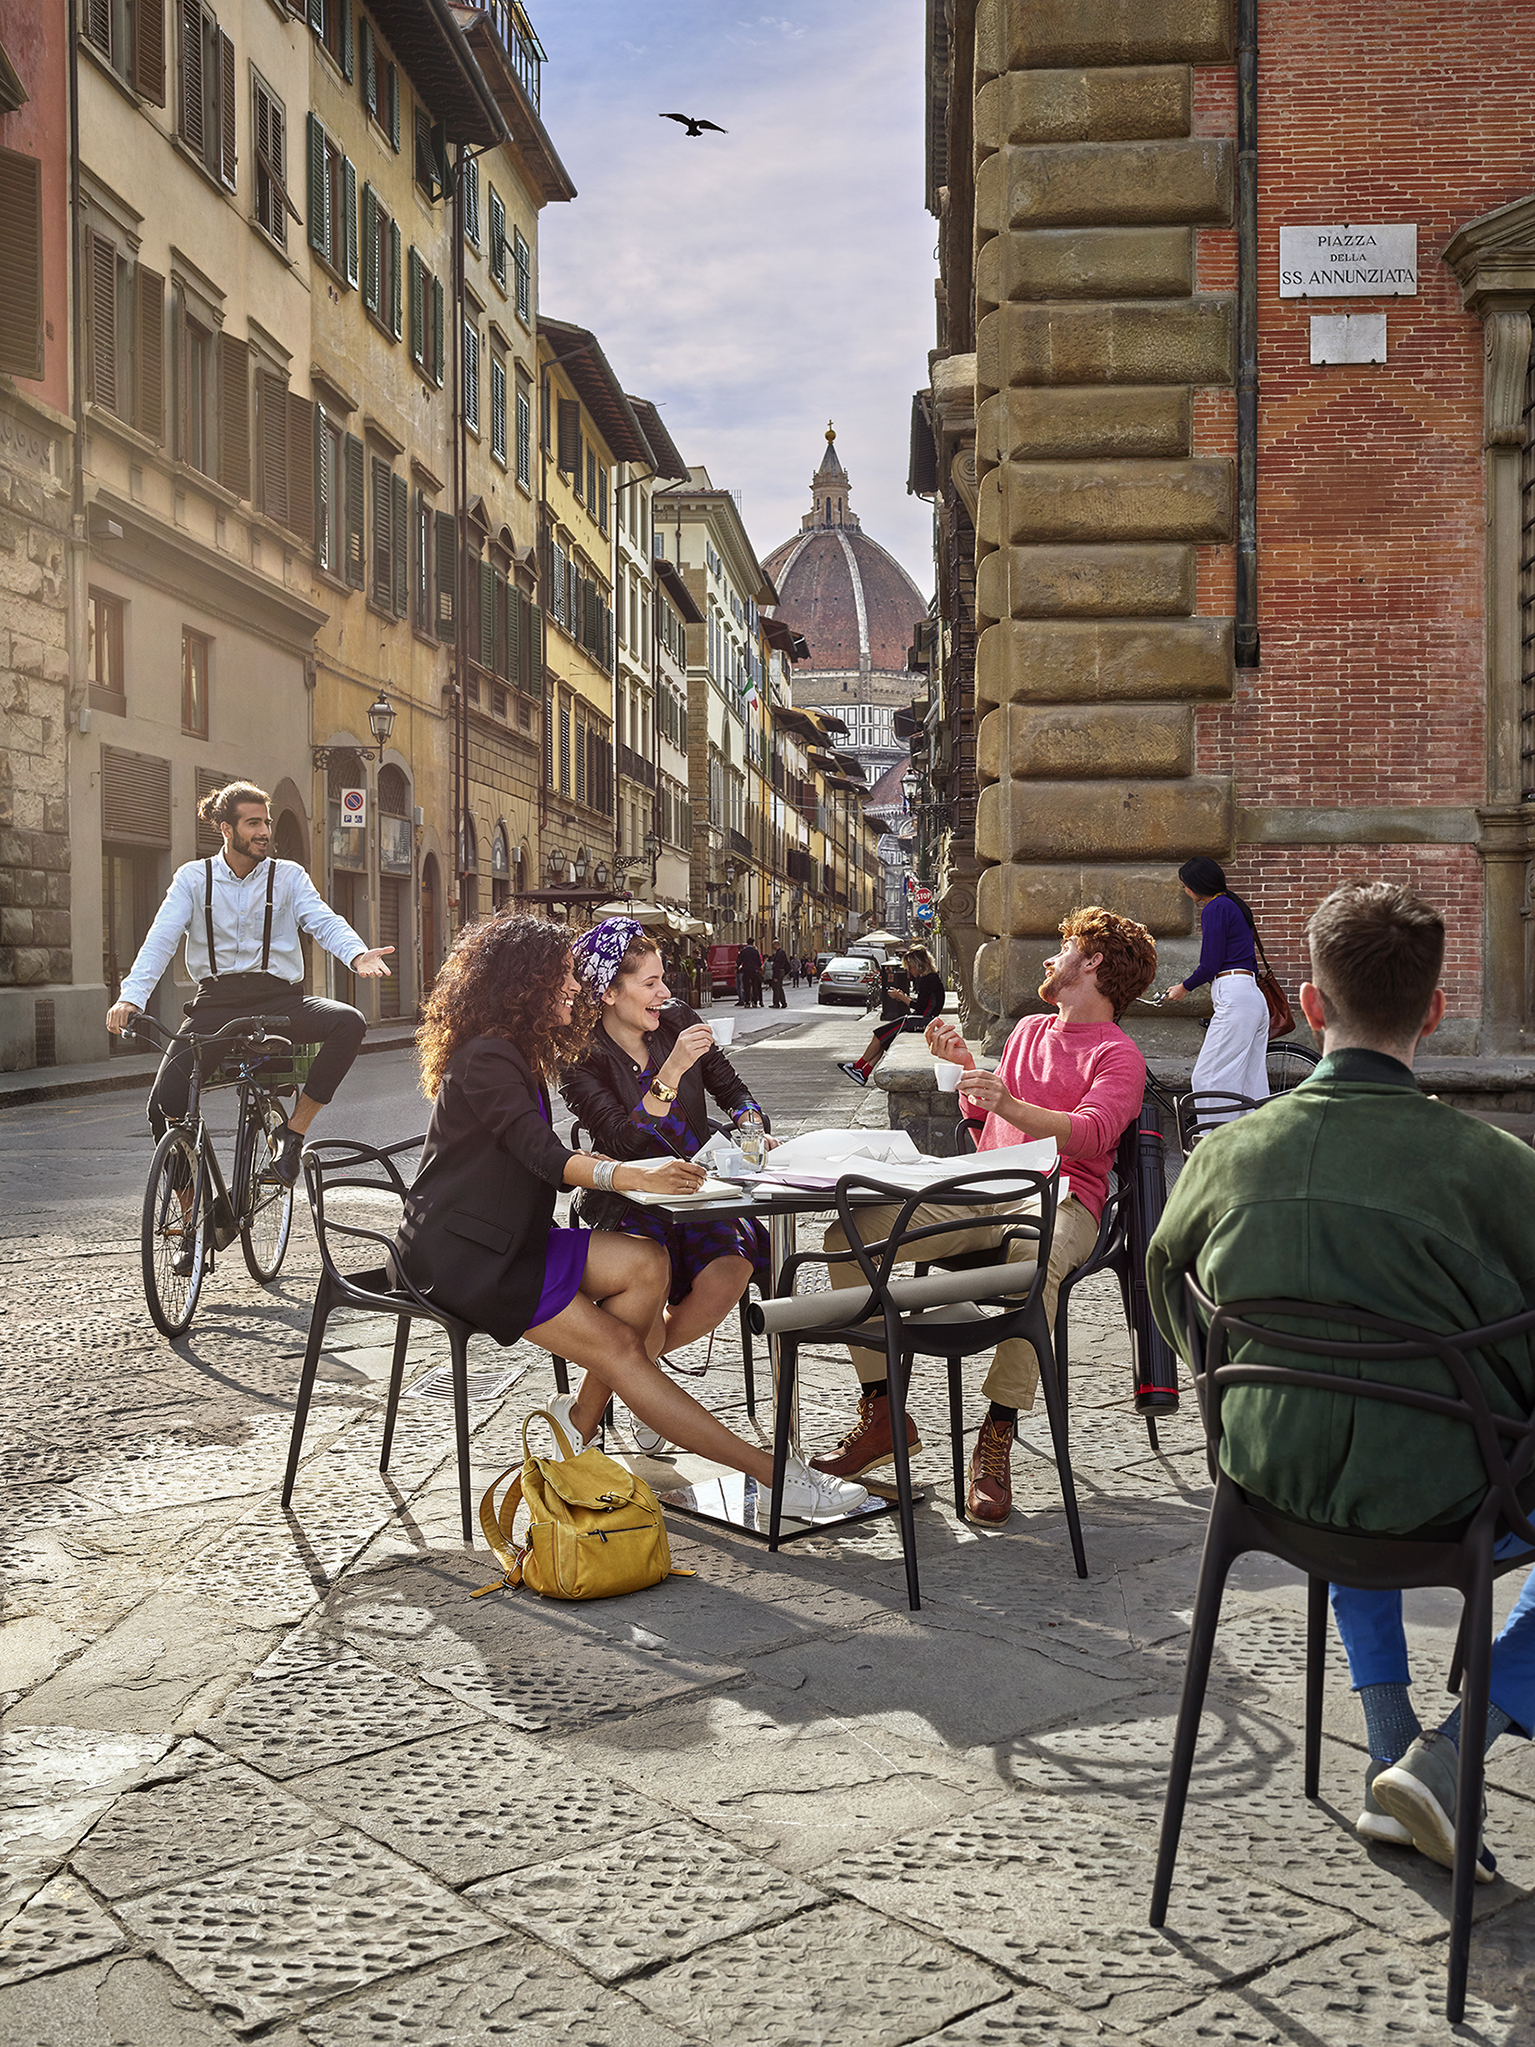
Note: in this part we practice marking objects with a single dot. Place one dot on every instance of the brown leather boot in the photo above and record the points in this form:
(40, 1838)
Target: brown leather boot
(868, 1444)
(991, 1473)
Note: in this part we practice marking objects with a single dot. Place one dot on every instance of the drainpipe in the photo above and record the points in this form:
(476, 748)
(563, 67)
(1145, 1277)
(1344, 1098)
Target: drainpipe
(1247, 335)
(79, 565)
(460, 780)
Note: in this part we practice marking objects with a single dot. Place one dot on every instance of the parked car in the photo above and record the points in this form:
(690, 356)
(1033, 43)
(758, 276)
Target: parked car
(822, 961)
(847, 979)
(722, 968)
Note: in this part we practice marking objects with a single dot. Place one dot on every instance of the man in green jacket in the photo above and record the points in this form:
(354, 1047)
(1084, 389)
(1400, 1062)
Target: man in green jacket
(1356, 1189)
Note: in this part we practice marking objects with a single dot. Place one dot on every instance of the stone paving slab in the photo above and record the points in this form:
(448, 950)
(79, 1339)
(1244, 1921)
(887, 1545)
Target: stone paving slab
(784, 1781)
(1057, 1898)
(279, 1933)
(60, 1924)
(124, 2001)
(476, 1803)
(838, 1974)
(1030, 2019)
(203, 1820)
(55, 1783)
(644, 1900)
(310, 1704)
(515, 1994)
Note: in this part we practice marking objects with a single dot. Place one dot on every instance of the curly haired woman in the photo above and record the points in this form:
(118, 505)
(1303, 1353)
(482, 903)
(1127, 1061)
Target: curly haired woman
(478, 1236)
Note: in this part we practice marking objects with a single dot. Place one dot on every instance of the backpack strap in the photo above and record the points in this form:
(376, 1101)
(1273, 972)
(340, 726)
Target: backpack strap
(497, 1530)
(213, 963)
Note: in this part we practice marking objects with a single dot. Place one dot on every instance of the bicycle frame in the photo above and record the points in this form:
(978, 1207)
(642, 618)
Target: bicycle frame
(226, 1221)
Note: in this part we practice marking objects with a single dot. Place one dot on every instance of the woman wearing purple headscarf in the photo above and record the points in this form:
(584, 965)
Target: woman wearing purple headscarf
(641, 1091)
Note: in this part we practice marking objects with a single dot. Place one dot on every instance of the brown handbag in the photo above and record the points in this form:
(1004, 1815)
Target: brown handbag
(1281, 1016)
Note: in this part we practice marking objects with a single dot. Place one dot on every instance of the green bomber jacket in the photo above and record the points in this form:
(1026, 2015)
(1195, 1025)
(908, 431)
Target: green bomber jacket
(1356, 1189)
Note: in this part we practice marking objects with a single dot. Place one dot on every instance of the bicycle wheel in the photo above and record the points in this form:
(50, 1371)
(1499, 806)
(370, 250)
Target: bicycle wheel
(172, 1295)
(1289, 1064)
(266, 1206)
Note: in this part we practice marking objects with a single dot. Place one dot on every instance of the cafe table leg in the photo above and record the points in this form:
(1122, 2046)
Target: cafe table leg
(782, 1237)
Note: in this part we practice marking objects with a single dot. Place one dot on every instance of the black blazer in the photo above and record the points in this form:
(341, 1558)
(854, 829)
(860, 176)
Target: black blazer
(605, 1087)
(476, 1222)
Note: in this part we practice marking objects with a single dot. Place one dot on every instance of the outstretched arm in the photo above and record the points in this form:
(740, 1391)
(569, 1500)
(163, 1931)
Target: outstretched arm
(326, 927)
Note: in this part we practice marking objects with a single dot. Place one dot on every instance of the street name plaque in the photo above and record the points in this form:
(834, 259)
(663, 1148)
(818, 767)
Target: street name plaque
(1349, 262)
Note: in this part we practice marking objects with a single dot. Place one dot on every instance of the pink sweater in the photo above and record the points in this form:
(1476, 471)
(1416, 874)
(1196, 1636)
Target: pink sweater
(1092, 1072)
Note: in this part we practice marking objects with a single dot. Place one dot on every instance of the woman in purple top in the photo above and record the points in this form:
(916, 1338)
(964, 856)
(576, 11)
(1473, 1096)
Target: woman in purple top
(1234, 1057)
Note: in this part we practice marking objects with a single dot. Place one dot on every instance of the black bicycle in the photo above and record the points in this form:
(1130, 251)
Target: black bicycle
(190, 1214)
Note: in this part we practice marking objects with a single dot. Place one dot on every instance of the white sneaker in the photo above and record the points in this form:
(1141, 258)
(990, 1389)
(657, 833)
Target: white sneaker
(648, 1441)
(562, 1408)
(813, 1495)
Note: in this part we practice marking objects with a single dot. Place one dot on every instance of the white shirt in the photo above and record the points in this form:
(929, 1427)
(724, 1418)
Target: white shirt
(239, 917)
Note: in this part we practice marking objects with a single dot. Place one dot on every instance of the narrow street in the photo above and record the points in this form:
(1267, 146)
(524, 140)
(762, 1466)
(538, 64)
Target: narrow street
(278, 1775)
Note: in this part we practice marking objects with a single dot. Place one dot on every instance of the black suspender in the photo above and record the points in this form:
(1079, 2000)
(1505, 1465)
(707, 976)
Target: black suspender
(266, 929)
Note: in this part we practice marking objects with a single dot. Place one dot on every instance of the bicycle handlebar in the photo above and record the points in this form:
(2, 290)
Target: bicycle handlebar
(244, 1029)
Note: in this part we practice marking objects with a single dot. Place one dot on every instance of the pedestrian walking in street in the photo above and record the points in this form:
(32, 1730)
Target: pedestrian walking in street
(1234, 1056)
(913, 991)
(780, 967)
(241, 913)
(750, 962)
(506, 1015)
(795, 964)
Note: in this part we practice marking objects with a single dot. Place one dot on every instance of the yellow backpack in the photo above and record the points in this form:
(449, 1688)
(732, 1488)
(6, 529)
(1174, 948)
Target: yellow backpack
(594, 1529)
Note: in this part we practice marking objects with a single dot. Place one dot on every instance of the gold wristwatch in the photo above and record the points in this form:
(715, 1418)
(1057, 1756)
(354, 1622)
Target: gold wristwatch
(661, 1091)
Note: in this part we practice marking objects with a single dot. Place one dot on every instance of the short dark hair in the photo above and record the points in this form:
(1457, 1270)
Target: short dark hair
(1376, 951)
(221, 806)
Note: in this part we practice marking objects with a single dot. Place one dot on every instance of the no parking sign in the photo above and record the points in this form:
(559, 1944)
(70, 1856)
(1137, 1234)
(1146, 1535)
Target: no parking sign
(354, 806)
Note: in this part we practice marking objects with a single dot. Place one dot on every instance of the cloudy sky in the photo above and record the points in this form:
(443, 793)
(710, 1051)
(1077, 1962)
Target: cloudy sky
(758, 283)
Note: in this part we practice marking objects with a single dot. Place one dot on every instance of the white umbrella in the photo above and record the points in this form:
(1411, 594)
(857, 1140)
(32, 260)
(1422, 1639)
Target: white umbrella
(642, 913)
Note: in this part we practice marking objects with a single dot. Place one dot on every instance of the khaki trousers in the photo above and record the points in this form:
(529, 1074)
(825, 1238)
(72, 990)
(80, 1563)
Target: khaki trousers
(1014, 1373)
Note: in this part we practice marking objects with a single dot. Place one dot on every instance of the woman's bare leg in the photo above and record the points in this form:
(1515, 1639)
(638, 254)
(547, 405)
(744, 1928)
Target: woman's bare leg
(712, 1296)
(626, 1275)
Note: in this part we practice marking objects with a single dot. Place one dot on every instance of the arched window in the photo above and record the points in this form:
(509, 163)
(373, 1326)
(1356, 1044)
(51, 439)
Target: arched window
(500, 870)
(288, 839)
(469, 861)
(393, 792)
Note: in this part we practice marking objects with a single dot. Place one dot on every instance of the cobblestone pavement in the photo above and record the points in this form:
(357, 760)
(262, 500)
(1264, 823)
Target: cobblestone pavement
(275, 1775)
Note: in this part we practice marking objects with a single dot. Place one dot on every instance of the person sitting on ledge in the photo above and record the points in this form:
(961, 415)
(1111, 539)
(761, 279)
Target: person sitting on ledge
(1073, 1075)
(478, 1239)
(1354, 1189)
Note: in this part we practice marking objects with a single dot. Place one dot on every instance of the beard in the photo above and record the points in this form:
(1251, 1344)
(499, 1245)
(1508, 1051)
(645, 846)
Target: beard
(1060, 982)
(247, 851)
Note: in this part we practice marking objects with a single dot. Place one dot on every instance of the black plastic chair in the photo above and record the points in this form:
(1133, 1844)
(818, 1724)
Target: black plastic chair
(1199, 1114)
(335, 1166)
(949, 1314)
(1240, 1522)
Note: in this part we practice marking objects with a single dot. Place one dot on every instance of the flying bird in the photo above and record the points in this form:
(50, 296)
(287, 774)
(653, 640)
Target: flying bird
(695, 127)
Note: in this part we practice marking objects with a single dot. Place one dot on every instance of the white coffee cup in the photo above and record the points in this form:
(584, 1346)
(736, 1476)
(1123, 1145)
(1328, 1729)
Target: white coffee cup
(947, 1072)
(724, 1029)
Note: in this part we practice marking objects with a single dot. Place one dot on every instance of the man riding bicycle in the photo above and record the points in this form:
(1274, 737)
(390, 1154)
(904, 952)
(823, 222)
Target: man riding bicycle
(241, 913)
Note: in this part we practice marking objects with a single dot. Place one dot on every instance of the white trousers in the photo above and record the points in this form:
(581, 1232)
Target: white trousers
(1234, 1058)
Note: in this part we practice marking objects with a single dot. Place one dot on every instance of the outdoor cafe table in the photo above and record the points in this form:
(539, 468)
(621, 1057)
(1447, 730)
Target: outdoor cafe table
(730, 1497)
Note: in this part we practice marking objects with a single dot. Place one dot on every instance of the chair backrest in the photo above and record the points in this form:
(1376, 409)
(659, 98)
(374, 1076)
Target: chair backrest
(339, 1165)
(1199, 1114)
(981, 1188)
(1213, 1329)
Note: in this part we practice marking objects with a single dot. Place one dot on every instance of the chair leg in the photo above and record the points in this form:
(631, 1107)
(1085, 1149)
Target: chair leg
(788, 1360)
(323, 1302)
(1151, 1432)
(1477, 1626)
(396, 1380)
(1213, 1566)
(1062, 1341)
(1316, 1668)
(957, 1436)
(561, 1376)
(1055, 1410)
(1458, 1660)
(897, 1373)
(747, 1370)
(459, 1338)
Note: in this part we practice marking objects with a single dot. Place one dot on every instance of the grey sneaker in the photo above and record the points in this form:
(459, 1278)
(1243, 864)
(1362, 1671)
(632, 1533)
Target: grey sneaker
(1374, 1823)
(1420, 1791)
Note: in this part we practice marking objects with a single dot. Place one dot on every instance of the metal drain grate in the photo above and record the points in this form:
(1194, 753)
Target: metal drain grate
(490, 1384)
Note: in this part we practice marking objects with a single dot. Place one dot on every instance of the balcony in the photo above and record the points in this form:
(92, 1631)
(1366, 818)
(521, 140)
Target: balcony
(740, 843)
(515, 34)
(635, 766)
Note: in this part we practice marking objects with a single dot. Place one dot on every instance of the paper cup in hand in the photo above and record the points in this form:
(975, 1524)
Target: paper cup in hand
(724, 1029)
(947, 1072)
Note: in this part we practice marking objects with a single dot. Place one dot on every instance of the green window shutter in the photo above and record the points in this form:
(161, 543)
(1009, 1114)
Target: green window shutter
(417, 309)
(514, 633)
(446, 548)
(437, 332)
(394, 279)
(420, 545)
(370, 248)
(352, 534)
(346, 39)
(487, 615)
(369, 69)
(383, 535)
(394, 109)
(317, 16)
(535, 646)
(349, 213)
(400, 520)
(319, 193)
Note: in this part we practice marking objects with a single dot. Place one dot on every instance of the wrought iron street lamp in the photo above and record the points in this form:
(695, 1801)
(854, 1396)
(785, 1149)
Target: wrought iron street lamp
(581, 865)
(556, 864)
(381, 717)
(600, 874)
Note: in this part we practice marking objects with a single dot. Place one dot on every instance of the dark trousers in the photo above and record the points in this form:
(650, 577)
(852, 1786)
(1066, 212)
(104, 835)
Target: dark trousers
(751, 991)
(780, 1000)
(337, 1028)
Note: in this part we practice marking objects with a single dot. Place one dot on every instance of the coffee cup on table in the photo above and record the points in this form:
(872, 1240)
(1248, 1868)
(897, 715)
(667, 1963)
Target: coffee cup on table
(947, 1072)
(724, 1029)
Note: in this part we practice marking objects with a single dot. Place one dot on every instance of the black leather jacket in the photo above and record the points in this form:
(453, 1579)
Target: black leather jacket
(606, 1086)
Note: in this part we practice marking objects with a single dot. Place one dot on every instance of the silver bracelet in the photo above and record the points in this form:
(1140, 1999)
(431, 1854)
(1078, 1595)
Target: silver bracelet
(602, 1174)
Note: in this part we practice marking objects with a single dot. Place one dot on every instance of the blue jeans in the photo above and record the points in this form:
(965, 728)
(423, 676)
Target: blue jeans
(1370, 1628)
